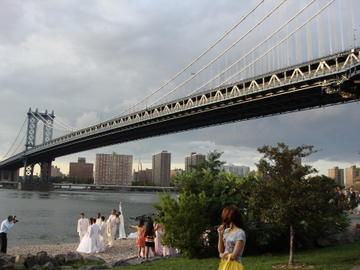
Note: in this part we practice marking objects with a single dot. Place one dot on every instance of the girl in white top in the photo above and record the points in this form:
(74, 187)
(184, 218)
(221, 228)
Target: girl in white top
(232, 237)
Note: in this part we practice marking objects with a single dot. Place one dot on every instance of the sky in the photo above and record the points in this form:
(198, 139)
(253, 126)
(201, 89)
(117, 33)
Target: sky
(90, 60)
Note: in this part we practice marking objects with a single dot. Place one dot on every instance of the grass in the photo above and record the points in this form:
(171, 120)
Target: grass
(342, 257)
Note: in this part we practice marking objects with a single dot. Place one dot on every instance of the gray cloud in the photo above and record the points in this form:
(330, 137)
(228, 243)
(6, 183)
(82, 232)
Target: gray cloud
(90, 61)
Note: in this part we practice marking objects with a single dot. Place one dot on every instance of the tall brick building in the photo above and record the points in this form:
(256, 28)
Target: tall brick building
(113, 169)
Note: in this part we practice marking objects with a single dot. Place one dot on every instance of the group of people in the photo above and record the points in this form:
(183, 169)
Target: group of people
(149, 239)
(347, 199)
(96, 234)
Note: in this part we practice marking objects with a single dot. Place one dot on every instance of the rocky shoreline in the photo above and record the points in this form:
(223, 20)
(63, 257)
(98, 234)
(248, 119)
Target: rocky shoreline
(64, 257)
(122, 249)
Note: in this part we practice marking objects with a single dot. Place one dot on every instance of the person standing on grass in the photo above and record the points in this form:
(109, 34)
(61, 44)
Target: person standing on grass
(82, 226)
(149, 238)
(6, 225)
(232, 237)
(140, 240)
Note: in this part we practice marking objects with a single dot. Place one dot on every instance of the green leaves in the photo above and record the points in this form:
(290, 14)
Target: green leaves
(202, 195)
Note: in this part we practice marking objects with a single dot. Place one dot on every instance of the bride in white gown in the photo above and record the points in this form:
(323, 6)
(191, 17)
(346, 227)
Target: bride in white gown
(90, 242)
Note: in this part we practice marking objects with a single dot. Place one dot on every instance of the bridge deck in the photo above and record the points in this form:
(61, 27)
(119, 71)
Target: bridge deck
(322, 82)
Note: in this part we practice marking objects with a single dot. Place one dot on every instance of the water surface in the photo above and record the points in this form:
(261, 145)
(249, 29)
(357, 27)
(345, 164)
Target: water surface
(51, 217)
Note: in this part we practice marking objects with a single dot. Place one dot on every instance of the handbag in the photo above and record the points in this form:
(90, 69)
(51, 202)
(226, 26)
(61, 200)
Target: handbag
(230, 265)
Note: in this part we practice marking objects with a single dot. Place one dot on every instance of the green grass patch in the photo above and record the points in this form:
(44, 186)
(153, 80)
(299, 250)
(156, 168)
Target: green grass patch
(342, 257)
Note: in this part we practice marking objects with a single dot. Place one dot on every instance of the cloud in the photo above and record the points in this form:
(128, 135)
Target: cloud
(90, 62)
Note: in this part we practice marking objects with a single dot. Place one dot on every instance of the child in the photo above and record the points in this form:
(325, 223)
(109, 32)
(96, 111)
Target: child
(140, 240)
(149, 238)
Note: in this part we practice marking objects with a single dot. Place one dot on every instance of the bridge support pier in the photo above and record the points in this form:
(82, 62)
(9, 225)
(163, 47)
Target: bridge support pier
(45, 171)
(43, 184)
(9, 175)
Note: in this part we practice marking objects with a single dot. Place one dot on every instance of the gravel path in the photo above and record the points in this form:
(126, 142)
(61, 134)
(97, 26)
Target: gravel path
(122, 249)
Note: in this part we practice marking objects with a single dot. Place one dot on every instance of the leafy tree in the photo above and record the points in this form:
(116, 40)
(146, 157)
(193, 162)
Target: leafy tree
(287, 195)
(189, 220)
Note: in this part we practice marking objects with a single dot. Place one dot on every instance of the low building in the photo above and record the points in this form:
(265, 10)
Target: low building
(237, 170)
(176, 172)
(55, 172)
(81, 170)
(143, 176)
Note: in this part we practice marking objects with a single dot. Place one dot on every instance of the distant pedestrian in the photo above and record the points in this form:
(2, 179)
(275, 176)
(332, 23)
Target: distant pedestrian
(149, 238)
(140, 239)
(6, 225)
(82, 226)
(352, 199)
(232, 239)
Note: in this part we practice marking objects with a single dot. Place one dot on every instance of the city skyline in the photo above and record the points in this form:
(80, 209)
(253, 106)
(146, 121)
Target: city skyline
(50, 62)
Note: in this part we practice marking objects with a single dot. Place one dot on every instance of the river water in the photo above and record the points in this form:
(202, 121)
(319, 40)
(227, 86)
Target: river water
(51, 217)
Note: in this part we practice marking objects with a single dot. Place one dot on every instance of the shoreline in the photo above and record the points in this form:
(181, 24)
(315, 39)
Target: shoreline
(122, 249)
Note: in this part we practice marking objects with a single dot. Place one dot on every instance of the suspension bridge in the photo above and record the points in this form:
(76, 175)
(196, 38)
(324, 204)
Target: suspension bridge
(251, 71)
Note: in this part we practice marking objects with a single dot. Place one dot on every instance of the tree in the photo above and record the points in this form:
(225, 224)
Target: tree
(190, 219)
(286, 194)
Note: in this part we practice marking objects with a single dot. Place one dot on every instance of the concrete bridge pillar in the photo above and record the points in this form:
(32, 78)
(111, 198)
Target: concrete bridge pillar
(45, 170)
(9, 175)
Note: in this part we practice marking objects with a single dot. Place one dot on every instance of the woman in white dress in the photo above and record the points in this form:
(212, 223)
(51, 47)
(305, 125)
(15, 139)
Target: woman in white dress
(89, 243)
(103, 233)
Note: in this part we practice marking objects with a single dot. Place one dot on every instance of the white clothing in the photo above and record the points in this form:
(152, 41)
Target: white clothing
(112, 220)
(103, 234)
(89, 243)
(99, 245)
(122, 233)
(6, 225)
(98, 221)
(82, 227)
(111, 229)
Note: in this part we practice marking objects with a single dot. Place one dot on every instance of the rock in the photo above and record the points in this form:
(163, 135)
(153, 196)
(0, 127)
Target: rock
(91, 259)
(119, 263)
(35, 266)
(323, 242)
(20, 259)
(72, 257)
(49, 265)
(8, 266)
(42, 258)
(6, 260)
(30, 261)
(94, 267)
(60, 259)
(66, 267)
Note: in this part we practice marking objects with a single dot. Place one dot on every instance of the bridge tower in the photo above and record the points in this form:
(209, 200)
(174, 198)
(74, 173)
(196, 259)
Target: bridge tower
(33, 119)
